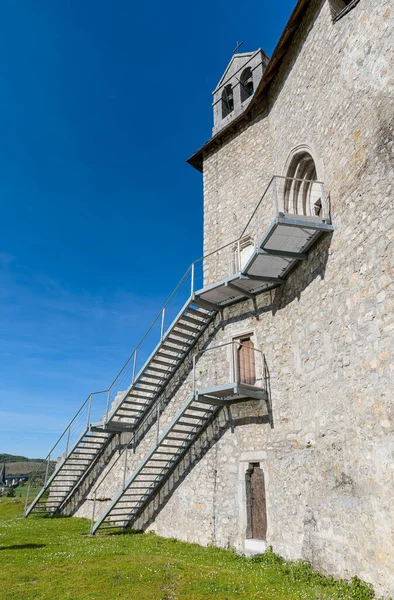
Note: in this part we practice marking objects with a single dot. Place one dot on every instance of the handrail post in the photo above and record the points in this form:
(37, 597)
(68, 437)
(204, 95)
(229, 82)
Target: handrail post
(27, 499)
(124, 467)
(93, 512)
(68, 439)
(275, 188)
(194, 374)
(157, 423)
(192, 280)
(326, 215)
(134, 365)
(233, 362)
(89, 410)
(107, 407)
(163, 312)
(47, 469)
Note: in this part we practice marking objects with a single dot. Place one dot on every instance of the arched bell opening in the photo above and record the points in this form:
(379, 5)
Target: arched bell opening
(227, 101)
(246, 81)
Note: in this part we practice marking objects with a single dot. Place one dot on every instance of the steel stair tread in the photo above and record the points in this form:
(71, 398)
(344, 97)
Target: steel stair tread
(192, 321)
(164, 355)
(198, 312)
(194, 331)
(148, 384)
(169, 366)
(159, 370)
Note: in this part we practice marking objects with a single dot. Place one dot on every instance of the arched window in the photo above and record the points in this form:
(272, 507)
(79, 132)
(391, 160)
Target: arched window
(302, 193)
(246, 82)
(227, 101)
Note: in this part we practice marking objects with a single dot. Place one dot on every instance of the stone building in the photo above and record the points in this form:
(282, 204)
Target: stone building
(286, 364)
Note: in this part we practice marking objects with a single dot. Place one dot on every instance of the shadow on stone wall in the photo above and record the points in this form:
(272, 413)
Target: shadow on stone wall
(298, 281)
(208, 437)
(303, 275)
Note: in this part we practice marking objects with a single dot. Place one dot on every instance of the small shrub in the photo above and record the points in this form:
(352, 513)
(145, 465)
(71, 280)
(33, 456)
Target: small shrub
(360, 590)
(268, 558)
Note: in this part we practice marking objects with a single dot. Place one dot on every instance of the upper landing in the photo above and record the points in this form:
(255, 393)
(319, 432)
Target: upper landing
(236, 87)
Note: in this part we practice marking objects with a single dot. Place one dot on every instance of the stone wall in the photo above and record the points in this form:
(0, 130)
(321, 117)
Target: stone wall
(327, 447)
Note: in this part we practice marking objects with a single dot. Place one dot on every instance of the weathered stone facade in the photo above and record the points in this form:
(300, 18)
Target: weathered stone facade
(326, 444)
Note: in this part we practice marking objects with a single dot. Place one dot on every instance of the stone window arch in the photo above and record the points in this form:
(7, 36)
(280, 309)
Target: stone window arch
(246, 81)
(227, 100)
(302, 192)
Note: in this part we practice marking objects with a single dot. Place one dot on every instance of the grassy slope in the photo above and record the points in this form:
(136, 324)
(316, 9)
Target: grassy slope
(54, 559)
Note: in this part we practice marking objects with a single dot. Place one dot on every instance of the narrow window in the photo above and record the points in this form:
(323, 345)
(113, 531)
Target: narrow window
(246, 366)
(256, 504)
(240, 255)
(341, 7)
(246, 82)
(227, 101)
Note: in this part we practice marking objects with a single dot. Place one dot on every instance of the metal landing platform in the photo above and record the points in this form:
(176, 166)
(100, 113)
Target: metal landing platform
(286, 242)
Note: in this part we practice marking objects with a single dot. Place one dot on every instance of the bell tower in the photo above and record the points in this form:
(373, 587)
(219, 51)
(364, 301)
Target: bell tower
(237, 86)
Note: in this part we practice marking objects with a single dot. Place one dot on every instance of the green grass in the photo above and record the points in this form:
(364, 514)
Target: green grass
(21, 491)
(54, 559)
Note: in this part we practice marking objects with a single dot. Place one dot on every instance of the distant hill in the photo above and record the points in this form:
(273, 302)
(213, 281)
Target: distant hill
(19, 465)
(11, 458)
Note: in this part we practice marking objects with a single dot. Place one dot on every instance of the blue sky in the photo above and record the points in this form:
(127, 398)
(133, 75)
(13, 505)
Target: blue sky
(100, 104)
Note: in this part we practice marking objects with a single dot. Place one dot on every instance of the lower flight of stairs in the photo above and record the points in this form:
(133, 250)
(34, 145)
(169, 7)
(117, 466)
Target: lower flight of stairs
(69, 472)
(172, 444)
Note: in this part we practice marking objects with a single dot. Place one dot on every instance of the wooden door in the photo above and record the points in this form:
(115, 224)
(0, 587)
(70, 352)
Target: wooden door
(256, 504)
(246, 366)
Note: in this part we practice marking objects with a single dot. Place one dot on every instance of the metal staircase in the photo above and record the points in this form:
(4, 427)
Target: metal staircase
(69, 473)
(155, 374)
(127, 410)
(199, 409)
(258, 261)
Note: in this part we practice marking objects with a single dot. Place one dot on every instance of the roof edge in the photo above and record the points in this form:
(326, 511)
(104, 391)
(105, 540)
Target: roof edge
(196, 160)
